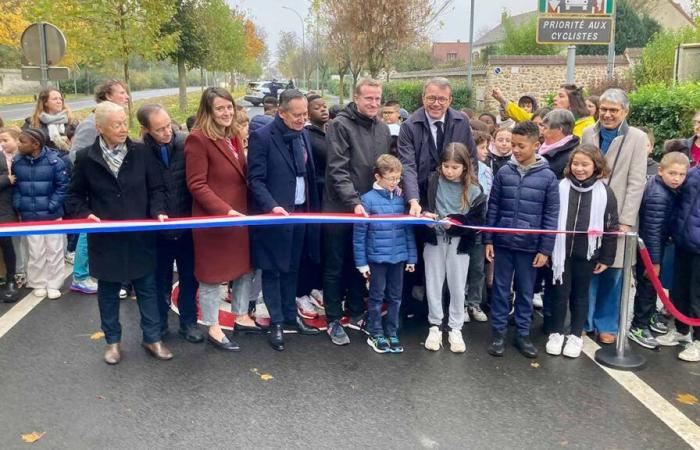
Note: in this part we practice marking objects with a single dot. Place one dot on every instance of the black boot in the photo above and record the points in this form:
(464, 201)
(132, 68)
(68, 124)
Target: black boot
(498, 344)
(277, 337)
(10, 294)
(525, 346)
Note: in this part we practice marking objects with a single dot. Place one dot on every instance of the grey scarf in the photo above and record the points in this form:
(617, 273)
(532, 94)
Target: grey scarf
(113, 157)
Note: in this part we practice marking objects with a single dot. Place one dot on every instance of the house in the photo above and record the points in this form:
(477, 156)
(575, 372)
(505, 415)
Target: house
(668, 13)
(496, 35)
(445, 52)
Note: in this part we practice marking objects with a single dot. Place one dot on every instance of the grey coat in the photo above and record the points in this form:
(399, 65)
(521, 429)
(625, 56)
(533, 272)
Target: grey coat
(85, 135)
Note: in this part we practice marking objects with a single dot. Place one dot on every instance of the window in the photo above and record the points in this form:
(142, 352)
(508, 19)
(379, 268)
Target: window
(451, 56)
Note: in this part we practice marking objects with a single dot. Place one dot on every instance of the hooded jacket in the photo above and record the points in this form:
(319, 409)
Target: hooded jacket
(41, 187)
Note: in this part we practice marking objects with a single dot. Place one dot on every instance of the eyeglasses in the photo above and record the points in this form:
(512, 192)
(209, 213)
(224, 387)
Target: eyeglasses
(613, 111)
(392, 179)
(433, 99)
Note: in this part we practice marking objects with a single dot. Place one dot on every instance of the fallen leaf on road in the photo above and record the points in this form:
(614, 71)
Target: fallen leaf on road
(97, 336)
(99, 397)
(687, 399)
(32, 437)
(535, 365)
(266, 377)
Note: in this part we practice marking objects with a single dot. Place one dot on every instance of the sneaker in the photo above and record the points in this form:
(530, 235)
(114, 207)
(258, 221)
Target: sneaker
(305, 308)
(337, 333)
(316, 298)
(41, 292)
(70, 257)
(21, 280)
(378, 343)
(122, 293)
(658, 323)
(573, 347)
(53, 294)
(537, 301)
(691, 353)
(456, 340)
(357, 322)
(84, 286)
(434, 340)
(394, 345)
(643, 337)
(467, 319)
(261, 311)
(673, 338)
(476, 313)
(555, 344)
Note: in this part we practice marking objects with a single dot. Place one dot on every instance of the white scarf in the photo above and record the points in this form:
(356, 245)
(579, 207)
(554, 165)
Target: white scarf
(56, 124)
(596, 223)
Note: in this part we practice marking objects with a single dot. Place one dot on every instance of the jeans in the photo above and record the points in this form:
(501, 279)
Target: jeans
(476, 276)
(512, 268)
(108, 301)
(181, 251)
(686, 288)
(339, 273)
(572, 292)
(385, 283)
(210, 298)
(604, 302)
(81, 270)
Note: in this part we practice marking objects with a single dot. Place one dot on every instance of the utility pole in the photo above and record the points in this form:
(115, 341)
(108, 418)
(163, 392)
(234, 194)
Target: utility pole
(470, 64)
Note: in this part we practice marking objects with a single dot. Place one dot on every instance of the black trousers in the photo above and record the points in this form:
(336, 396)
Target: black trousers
(644, 298)
(8, 255)
(685, 292)
(572, 292)
(340, 277)
(279, 287)
(181, 251)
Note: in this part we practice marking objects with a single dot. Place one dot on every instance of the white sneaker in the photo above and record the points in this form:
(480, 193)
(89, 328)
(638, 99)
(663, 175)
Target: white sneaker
(305, 308)
(122, 293)
(261, 311)
(555, 344)
(477, 314)
(41, 292)
(53, 294)
(673, 338)
(537, 301)
(691, 352)
(316, 298)
(434, 340)
(456, 340)
(467, 319)
(573, 347)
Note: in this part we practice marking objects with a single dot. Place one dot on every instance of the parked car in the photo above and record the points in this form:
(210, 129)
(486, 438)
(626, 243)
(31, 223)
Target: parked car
(583, 6)
(257, 90)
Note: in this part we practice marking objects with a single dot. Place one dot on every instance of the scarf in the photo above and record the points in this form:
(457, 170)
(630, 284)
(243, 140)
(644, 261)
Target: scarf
(114, 157)
(606, 138)
(544, 148)
(596, 223)
(295, 145)
(55, 123)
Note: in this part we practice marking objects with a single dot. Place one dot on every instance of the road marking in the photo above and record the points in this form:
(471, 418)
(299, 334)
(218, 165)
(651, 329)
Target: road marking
(678, 422)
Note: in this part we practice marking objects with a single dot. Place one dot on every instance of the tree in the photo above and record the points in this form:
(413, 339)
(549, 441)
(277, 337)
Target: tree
(656, 64)
(522, 39)
(255, 48)
(412, 58)
(13, 22)
(225, 38)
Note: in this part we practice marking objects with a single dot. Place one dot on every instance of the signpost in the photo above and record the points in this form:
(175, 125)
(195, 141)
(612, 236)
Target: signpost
(43, 45)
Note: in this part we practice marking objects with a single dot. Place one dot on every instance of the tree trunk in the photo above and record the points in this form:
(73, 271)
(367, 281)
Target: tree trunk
(341, 88)
(126, 80)
(201, 78)
(182, 83)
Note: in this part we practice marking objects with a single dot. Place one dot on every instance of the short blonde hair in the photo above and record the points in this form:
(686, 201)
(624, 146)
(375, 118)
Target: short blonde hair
(104, 109)
(674, 158)
(387, 163)
(367, 82)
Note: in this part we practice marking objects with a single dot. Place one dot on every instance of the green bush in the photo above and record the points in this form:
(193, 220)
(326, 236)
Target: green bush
(667, 110)
(333, 87)
(408, 94)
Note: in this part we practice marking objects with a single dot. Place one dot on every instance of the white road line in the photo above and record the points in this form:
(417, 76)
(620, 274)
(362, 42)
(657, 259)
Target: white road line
(688, 430)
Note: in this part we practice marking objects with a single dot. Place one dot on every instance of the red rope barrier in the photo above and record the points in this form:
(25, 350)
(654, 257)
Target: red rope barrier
(646, 258)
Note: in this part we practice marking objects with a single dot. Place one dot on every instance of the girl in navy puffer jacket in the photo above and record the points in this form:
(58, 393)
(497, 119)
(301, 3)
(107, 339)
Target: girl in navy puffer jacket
(41, 186)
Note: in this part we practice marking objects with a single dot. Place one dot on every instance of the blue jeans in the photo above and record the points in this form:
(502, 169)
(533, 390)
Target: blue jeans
(108, 301)
(512, 268)
(181, 251)
(386, 283)
(604, 302)
(81, 270)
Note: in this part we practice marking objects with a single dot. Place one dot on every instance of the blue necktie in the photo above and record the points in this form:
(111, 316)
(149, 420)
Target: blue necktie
(164, 155)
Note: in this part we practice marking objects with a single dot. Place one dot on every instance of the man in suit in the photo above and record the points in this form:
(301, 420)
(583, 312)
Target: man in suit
(282, 179)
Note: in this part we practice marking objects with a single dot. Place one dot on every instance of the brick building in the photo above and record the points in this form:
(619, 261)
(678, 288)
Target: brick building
(445, 52)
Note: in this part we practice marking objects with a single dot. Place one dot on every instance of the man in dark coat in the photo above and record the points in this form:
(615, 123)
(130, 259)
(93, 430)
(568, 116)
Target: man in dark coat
(282, 179)
(355, 138)
(425, 135)
(168, 148)
(118, 179)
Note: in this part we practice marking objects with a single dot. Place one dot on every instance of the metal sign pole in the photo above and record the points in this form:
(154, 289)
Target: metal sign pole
(620, 356)
(571, 64)
(44, 64)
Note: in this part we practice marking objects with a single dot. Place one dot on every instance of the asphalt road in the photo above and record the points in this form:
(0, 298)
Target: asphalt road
(18, 112)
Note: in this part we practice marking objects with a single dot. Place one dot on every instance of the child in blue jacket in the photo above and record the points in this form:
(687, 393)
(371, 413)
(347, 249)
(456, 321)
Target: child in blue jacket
(382, 252)
(40, 189)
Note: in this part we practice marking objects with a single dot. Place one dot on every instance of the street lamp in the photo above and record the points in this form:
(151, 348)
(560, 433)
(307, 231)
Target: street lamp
(303, 43)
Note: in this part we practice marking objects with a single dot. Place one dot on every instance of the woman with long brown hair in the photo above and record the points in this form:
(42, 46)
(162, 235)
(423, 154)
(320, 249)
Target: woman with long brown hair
(52, 116)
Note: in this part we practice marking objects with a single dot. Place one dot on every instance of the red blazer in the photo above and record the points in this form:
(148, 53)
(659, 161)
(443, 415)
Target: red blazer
(217, 181)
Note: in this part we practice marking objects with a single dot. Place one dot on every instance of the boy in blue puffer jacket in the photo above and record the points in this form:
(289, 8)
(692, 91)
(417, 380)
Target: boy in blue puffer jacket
(40, 189)
(525, 194)
(382, 252)
(655, 217)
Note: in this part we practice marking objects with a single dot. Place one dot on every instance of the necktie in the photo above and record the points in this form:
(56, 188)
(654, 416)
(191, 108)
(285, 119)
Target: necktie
(164, 155)
(440, 136)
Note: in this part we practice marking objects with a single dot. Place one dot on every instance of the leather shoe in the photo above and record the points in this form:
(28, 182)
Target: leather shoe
(300, 327)
(498, 344)
(113, 354)
(276, 337)
(227, 345)
(238, 328)
(191, 334)
(525, 346)
(158, 350)
(10, 293)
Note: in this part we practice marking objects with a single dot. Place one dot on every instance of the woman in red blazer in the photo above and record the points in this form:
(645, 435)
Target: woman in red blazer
(216, 177)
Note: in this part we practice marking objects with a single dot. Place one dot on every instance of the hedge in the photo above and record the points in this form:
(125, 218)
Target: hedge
(667, 110)
(408, 94)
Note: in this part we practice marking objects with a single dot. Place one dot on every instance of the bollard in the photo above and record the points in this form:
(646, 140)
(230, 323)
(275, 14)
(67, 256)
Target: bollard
(620, 356)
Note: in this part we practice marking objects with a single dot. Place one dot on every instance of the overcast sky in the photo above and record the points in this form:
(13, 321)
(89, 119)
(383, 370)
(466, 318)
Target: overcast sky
(270, 15)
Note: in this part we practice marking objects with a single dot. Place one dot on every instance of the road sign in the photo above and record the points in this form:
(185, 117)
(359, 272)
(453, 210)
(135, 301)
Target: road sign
(574, 30)
(31, 44)
(584, 7)
(33, 73)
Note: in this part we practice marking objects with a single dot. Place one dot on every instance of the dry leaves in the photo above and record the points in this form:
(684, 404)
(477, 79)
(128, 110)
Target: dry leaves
(97, 336)
(32, 437)
(536, 365)
(263, 376)
(687, 399)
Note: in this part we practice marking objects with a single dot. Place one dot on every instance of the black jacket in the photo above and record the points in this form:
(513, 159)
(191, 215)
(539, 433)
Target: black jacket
(178, 200)
(137, 193)
(558, 158)
(656, 215)
(7, 212)
(495, 162)
(354, 143)
(578, 218)
(476, 216)
(319, 150)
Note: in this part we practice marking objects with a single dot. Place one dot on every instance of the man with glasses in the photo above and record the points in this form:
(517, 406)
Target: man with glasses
(355, 139)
